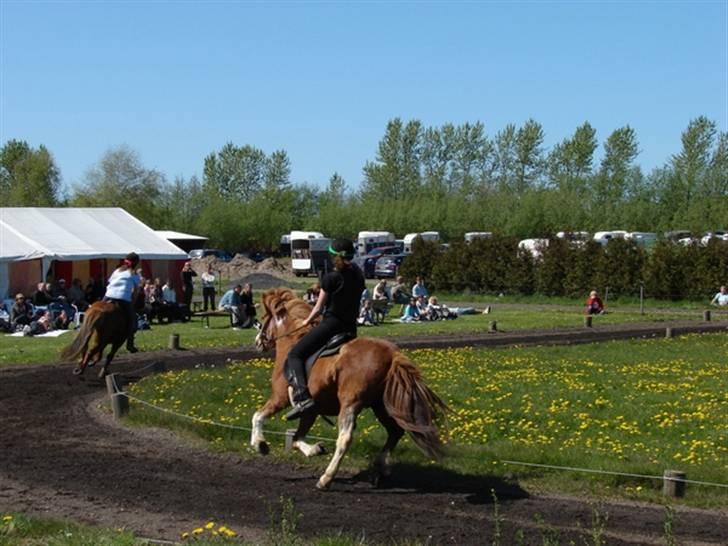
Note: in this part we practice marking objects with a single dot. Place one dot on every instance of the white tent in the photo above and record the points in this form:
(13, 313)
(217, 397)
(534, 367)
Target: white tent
(74, 234)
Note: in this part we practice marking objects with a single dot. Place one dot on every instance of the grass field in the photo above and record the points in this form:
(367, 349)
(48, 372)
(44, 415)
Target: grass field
(636, 407)
(22, 350)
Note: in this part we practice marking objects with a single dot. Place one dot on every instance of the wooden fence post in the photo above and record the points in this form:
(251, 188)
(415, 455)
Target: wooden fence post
(673, 484)
(119, 401)
(173, 342)
(289, 438)
(588, 321)
(668, 332)
(706, 315)
(492, 326)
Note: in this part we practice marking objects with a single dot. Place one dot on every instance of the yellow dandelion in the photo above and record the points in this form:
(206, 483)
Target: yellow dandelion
(198, 531)
(210, 525)
(185, 535)
(7, 518)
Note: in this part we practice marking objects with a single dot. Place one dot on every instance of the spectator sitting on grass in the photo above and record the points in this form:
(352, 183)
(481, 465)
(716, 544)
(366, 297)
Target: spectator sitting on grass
(721, 298)
(312, 294)
(399, 293)
(380, 290)
(411, 312)
(366, 314)
(419, 289)
(21, 312)
(594, 305)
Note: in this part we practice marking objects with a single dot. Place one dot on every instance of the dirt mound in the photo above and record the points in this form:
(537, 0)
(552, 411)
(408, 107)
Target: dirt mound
(241, 266)
(264, 281)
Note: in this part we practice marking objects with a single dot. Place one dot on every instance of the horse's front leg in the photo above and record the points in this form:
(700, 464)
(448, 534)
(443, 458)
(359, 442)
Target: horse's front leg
(304, 425)
(271, 407)
(347, 424)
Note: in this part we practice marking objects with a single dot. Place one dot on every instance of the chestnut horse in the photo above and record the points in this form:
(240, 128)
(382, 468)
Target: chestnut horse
(109, 323)
(365, 373)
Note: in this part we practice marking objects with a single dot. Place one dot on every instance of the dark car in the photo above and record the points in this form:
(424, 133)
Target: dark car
(388, 266)
(205, 252)
(367, 262)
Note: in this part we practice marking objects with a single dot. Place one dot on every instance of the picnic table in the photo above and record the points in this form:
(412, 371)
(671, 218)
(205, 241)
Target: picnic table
(204, 316)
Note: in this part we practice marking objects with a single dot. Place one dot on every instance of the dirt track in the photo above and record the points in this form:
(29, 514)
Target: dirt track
(61, 456)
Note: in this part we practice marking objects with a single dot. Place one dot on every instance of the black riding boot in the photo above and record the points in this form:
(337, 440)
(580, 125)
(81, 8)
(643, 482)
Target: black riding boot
(302, 400)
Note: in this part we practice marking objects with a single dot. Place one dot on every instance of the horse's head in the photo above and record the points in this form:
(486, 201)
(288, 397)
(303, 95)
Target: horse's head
(283, 313)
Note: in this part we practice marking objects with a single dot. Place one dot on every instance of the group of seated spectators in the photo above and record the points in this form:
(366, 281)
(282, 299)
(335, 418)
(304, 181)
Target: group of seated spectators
(414, 303)
(34, 319)
(238, 301)
(160, 301)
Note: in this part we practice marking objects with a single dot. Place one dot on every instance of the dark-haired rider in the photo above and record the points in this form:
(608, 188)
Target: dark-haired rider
(120, 289)
(341, 290)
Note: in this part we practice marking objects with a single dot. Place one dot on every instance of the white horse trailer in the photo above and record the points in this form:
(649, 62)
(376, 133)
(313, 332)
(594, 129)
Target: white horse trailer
(472, 235)
(309, 252)
(368, 240)
(425, 235)
(534, 246)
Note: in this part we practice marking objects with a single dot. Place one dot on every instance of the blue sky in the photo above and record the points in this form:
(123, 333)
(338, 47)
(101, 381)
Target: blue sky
(177, 80)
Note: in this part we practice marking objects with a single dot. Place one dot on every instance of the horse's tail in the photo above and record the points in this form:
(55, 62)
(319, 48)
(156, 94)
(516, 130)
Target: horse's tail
(80, 343)
(413, 405)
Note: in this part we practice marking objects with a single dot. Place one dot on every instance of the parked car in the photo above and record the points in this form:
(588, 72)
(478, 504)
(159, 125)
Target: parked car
(368, 262)
(205, 252)
(388, 266)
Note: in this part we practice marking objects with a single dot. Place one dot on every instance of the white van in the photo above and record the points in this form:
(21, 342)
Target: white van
(367, 240)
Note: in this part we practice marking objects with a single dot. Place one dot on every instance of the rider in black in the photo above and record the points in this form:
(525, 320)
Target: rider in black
(339, 297)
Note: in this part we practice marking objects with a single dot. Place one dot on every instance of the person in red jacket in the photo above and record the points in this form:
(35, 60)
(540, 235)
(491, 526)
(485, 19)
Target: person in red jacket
(594, 305)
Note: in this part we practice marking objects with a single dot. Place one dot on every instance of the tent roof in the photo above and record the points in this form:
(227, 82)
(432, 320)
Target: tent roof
(178, 236)
(79, 234)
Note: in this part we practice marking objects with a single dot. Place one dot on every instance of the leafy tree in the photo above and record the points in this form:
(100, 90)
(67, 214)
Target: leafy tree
(529, 155)
(28, 177)
(396, 172)
(570, 162)
(120, 180)
(239, 172)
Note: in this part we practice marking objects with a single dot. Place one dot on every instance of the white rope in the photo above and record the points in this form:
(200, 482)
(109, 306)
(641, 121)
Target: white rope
(118, 392)
(133, 372)
(609, 472)
(199, 420)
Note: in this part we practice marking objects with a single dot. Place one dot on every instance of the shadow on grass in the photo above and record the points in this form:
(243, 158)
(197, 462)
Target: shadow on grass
(410, 478)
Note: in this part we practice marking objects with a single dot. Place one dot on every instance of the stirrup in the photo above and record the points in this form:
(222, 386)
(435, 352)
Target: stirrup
(300, 408)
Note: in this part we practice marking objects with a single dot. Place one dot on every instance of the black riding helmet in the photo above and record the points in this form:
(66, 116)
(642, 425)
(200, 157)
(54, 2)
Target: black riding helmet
(343, 248)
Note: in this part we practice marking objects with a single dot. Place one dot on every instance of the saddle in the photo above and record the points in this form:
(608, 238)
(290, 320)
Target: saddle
(332, 347)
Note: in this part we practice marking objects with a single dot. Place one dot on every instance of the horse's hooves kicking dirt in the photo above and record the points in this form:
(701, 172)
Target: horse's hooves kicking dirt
(262, 448)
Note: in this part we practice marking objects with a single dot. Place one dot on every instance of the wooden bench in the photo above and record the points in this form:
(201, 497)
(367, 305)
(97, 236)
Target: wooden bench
(205, 315)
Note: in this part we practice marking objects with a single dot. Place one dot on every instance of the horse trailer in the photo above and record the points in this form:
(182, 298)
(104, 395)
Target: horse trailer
(309, 253)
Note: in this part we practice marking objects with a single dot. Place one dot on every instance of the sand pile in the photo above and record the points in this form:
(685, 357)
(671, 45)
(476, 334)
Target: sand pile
(241, 266)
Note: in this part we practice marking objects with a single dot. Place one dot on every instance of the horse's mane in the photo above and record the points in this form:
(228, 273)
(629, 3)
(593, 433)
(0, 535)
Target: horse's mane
(278, 300)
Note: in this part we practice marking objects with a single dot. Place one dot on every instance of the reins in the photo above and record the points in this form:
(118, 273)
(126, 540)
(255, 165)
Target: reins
(288, 333)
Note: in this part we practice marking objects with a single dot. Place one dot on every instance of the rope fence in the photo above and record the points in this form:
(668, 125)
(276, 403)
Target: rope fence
(673, 481)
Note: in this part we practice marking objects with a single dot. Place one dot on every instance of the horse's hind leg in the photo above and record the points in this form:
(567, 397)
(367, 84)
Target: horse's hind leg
(304, 425)
(347, 424)
(381, 467)
(109, 357)
(271, 407)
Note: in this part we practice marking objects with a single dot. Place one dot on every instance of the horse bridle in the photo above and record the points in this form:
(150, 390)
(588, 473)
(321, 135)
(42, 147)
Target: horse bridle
(272, 340)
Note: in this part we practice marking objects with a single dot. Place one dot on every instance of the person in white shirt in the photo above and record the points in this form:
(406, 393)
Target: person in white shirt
(721, 298)
(120, 289)
(208, 288)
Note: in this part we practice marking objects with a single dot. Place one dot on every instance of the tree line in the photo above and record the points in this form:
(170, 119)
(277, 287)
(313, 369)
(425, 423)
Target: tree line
(496, 265)
(452, 178)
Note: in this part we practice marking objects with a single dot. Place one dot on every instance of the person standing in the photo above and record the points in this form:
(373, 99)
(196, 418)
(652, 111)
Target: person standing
(208, 288)
(187, 286)
(339, 298)
(120, 289)
(247, 306)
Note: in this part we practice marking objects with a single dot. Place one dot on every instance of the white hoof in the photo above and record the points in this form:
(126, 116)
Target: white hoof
(323, 485)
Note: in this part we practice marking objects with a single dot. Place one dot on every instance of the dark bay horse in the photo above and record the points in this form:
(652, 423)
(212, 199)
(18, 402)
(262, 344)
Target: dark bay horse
(105, 324)
(366, 373)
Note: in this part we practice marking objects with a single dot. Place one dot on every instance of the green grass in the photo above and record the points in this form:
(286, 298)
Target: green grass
(636, 407)
(23, 350)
